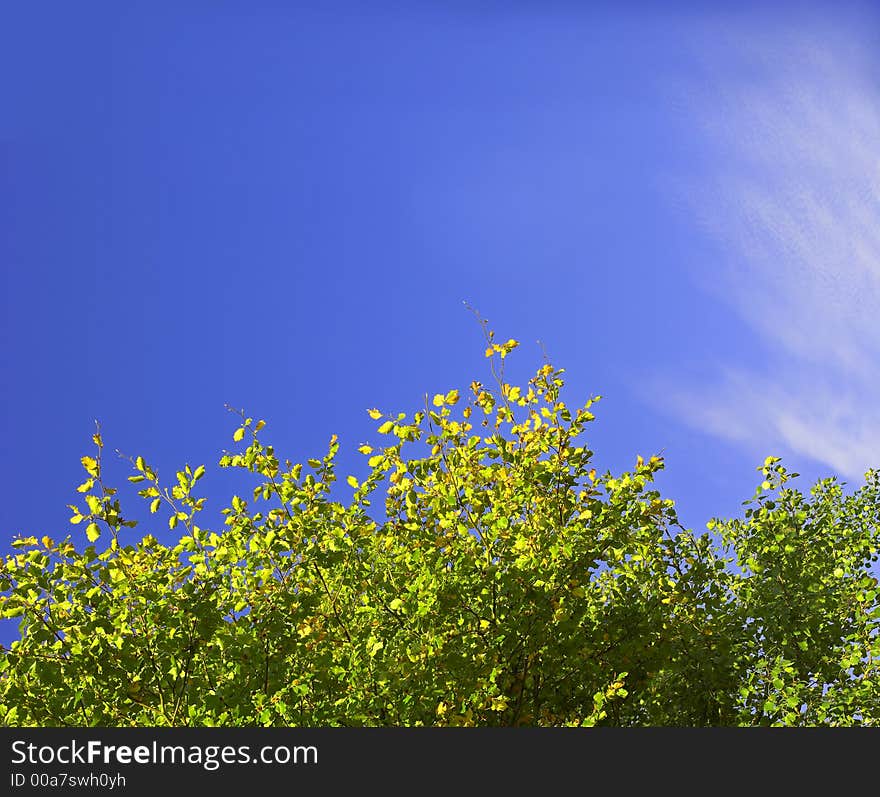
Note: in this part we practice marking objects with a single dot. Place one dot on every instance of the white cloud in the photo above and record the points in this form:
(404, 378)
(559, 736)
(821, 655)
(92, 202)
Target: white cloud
(788, 125)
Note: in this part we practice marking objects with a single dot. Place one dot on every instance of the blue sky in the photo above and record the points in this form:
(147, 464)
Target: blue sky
(283, 206)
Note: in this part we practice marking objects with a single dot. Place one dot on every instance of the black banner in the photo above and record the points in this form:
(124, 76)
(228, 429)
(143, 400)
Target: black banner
(142, 760)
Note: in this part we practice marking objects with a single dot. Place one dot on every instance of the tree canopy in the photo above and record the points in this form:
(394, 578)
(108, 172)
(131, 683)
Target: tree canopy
(482, 574)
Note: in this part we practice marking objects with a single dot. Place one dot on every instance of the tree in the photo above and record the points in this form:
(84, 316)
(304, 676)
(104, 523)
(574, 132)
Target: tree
(482, 574)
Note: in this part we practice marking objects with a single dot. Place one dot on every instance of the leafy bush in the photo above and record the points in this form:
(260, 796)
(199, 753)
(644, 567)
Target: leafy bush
(482, 574)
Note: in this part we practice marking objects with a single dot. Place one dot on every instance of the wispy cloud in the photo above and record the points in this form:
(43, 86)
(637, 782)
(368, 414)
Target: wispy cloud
(788, 126)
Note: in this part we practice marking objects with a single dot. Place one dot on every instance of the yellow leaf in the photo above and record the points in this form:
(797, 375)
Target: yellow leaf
(374, 414)
(490, 351)
(260, 425)
(92, 532)
(365, 449)
(439, 400)
(386, 427)
(140, 464)
(239, 434)
(498, 703)
(352, 482)
(90, 464)
(77, 518)
(154, 505)
(47, 542)
(451, 397)
(375, 460)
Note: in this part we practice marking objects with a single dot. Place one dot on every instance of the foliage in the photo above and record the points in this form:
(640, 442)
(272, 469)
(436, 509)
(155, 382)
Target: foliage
(501, 582)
